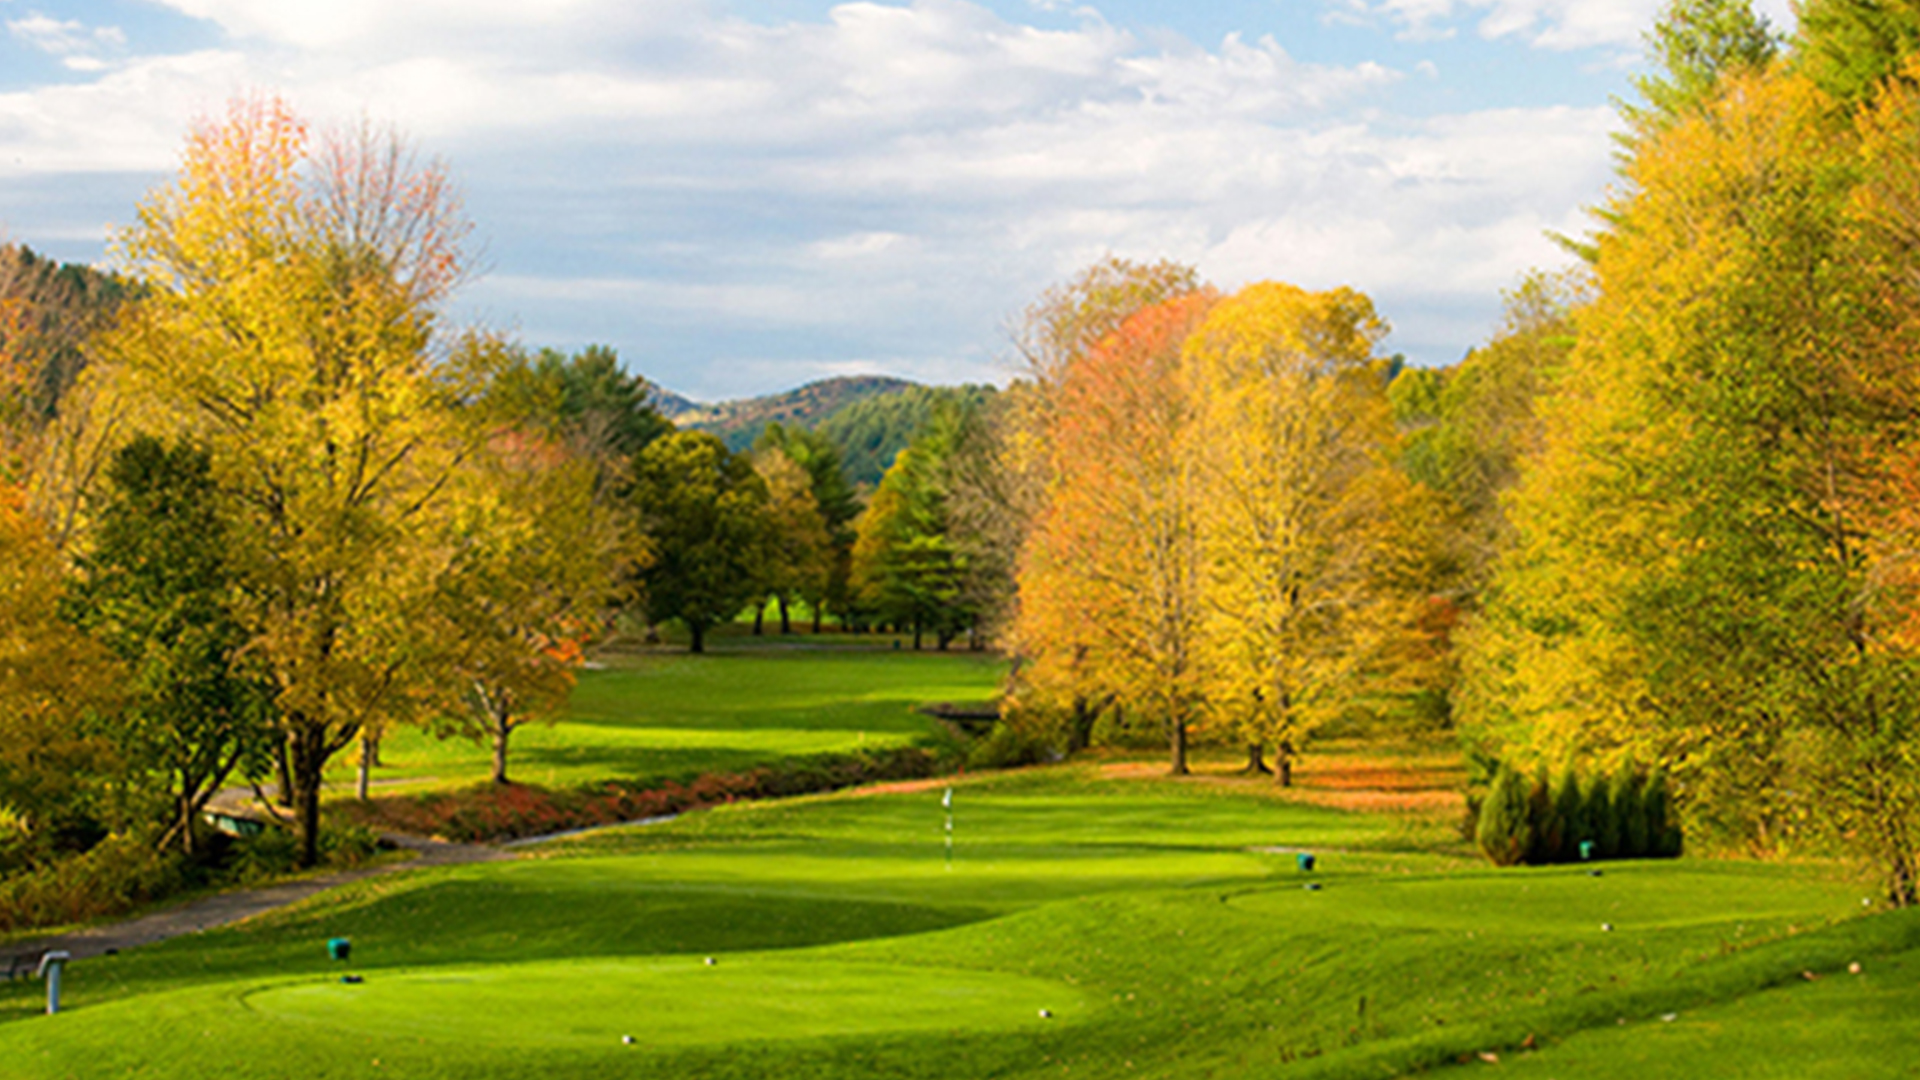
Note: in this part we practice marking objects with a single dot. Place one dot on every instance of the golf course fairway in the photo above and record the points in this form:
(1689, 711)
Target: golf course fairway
(1165, 924)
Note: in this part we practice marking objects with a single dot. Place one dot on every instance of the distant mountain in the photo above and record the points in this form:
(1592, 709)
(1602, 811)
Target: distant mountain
(740, 422)
(669, 404)
(871, 431)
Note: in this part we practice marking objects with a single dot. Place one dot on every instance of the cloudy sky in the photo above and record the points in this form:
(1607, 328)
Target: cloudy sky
(743, 195)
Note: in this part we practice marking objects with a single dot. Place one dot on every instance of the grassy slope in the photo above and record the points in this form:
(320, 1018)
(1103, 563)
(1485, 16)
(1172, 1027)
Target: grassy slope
(1144, 914)
(1139, 911)
(668, 714)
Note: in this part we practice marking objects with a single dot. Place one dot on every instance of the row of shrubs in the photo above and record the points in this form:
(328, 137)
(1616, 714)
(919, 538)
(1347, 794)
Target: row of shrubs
(1525, 819)
(498, 812)
(121, 872)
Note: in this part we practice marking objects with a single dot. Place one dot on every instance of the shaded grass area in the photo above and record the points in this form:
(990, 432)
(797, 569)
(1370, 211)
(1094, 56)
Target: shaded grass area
(1147, 915)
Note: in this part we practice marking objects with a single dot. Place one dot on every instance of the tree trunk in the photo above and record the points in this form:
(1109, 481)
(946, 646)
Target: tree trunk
(502, 727)
(916, 635)
(284, 796)
(786, 623)
(365, 780)
(1080, 725)
(1283, 764)
(759, 616)
(308, 808)
(1179, 726)
(699, 632)
(816, 618)
(1256, 763)
(306, 745)
(185, 825)
(1903, 891)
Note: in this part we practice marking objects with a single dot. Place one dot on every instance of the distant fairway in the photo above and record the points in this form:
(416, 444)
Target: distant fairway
(669, 714)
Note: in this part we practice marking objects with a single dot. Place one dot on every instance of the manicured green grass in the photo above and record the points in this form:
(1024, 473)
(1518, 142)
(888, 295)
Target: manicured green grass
(1146, 915)
(666, 714)
(1840, 1026)
(671, 1002)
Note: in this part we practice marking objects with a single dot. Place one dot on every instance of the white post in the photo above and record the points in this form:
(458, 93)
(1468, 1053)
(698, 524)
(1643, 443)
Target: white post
(946, 801)
(50, 967)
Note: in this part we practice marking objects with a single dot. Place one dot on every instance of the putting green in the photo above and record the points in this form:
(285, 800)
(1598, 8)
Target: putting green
(671, 1002)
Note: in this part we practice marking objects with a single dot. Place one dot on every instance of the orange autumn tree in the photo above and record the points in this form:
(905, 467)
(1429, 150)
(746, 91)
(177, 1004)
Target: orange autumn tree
(1310, 534)
(1111, 584)
(51, 677)
(1057, 330)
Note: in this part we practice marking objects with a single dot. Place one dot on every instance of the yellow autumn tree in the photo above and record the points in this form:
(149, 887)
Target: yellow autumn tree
(1712, 571)
(292, 289)
(536, 558)
(1304, 522)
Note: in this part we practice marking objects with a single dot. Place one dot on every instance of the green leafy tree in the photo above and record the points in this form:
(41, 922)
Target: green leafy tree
(1849, 47)
(601, 408)
(907, 569)
(1505, 831)
(1569, 812)
(1629, 810)
(703, 512)
(1692, 46)
(157, 589)
(870, 433)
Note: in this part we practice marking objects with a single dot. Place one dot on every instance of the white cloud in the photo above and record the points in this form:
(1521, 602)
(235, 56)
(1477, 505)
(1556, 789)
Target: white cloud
(74, 42)
(324, 24)
(129, 120)
(887, 182)
(1547, 24)
(859, 245)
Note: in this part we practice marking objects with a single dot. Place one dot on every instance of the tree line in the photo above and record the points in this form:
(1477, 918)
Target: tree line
(261, 505)
(1661, 524)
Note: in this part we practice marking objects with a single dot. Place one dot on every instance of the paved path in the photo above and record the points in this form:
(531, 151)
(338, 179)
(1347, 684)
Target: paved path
(233, 907)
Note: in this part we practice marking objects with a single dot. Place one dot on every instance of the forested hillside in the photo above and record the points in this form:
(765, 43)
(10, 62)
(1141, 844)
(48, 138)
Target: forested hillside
(740, 422)
(872, 431)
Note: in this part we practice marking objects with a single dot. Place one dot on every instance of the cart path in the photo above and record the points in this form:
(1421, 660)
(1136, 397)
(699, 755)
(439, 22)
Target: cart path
(228, 908)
